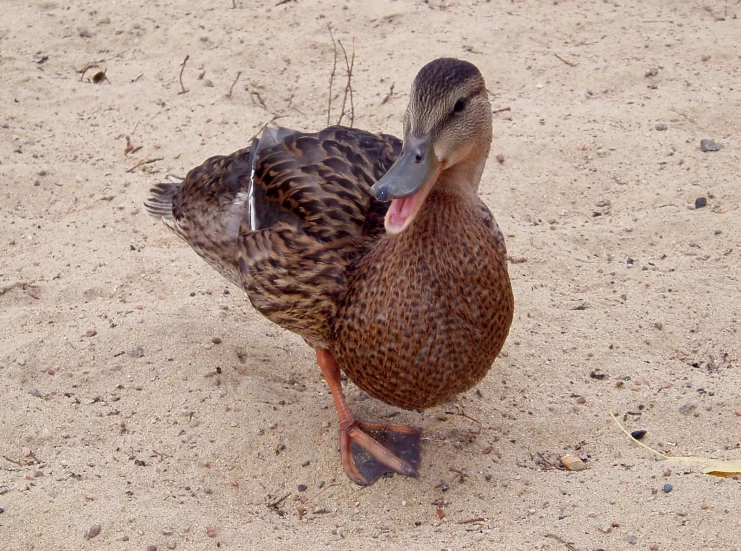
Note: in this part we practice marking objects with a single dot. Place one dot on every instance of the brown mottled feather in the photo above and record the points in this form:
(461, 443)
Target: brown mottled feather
(319, 212)
(421, 335)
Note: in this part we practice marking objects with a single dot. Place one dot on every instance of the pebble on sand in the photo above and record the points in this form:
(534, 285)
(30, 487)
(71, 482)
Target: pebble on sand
(708, 145)
(700, 202)
(668, 488)
(93, 531)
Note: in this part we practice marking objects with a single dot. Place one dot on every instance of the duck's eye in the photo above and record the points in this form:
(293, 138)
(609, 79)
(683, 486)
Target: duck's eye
(459, 105)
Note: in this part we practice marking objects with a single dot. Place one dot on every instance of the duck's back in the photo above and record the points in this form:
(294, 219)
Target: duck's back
(428, 310)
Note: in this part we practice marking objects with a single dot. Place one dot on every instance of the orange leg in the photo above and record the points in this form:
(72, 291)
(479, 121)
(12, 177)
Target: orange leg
(358, 450)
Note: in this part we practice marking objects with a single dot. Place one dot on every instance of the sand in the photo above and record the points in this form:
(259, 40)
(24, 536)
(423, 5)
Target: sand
(117, 408)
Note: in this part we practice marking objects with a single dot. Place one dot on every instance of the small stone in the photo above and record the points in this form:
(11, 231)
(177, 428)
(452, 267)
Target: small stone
(2, 510)
(661, 127)
(302, 487)
(171, 544)
(93, 531)
(35, 392)
(211, 532)
(686, 409)
(652, 72)
(668, 488)
(605, 528)
(216, 340)
(700, 202)
(321, 510)
(708, 145)
(631, 540)
(167, 531)
(91, 333)
(468, 47)
(638, 434)
(151, 548)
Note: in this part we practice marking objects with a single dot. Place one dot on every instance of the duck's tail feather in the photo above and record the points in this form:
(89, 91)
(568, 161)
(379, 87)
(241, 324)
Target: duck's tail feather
(159, 204)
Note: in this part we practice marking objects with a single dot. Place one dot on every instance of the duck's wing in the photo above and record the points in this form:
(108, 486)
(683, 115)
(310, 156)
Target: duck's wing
(320, 182)
(283, 217)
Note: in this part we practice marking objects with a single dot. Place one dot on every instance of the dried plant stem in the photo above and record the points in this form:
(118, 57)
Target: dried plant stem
(349, 64)
(331, 76)
(231, 88)
(180, 77)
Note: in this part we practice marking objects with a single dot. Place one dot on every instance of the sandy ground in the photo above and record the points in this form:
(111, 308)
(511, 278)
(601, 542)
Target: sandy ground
(118, 410)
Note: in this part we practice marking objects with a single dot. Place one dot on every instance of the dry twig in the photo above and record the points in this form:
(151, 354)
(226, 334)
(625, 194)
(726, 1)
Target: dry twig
(331, 76)
(388, 96)
(259, 131)
(566, 61)
(142, 163)
(180, 77)
(348, 86)
(231, 88)
(471, 520)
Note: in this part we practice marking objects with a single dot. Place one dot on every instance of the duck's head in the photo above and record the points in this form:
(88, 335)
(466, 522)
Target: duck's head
(447, 136)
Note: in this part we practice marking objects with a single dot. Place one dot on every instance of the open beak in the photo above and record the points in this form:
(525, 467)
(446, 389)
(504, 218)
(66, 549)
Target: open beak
(407, 183)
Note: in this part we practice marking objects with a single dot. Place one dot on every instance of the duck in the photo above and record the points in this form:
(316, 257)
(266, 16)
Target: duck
(378, 251)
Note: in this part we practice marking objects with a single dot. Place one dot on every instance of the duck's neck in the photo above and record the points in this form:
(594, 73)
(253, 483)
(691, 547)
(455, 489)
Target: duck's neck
(463, 178)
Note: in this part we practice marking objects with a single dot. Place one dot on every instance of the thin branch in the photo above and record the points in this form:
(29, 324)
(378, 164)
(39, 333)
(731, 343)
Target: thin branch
(142, 163)
(470, 520)
(348, 86)
(331, 76)
(387, 97)
(501, 110)
(263, 127)
(566, 61)
(231, 88)
(180, 77)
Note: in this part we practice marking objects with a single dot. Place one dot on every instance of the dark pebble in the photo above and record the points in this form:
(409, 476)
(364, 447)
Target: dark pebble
(700, 202)
(661, 127)
(302, 487)
(668, 488)
(2, 510)
(638, 434)
(710, 145)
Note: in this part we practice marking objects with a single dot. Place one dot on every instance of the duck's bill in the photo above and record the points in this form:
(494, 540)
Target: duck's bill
(407, 184)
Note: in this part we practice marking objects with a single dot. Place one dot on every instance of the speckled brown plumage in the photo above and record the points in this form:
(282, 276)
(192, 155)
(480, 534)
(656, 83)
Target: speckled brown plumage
(423, 319)
(413, 314)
